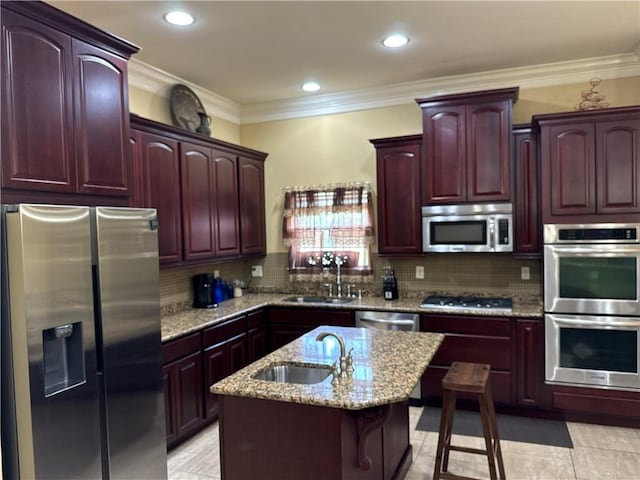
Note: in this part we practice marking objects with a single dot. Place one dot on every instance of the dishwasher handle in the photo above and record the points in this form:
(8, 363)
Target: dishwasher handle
(391, 323)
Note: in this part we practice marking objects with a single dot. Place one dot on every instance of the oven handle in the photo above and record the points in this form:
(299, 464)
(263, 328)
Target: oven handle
(590, 323)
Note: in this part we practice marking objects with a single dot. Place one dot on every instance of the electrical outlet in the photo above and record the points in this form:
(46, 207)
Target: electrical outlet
(256, 271)
(216, 274)
(419, 272)
(525, 273)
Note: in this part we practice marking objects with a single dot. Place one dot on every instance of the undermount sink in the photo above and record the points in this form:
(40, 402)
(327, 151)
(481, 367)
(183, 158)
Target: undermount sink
(294, 373)
(317, 299)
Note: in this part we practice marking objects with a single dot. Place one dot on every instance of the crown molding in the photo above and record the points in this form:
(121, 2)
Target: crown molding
(159, 82)
(151, 79)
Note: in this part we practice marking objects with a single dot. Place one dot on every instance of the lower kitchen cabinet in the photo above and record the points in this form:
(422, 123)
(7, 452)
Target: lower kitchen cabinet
(287, 324)
(475, 340)
(182, 377)
(225, 352)
(530, 391)
(257, 340)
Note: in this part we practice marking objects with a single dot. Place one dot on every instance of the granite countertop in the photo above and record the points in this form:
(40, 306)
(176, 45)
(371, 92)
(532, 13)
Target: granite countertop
(387, 366)
(193, 319)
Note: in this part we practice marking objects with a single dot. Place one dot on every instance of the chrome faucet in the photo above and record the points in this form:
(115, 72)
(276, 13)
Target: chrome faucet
(343, 349)
(339, 261)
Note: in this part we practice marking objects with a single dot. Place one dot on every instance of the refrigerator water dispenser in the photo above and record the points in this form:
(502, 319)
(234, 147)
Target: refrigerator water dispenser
(63, 358)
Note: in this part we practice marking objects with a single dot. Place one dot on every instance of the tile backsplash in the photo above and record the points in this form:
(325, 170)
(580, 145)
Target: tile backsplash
(478, 274)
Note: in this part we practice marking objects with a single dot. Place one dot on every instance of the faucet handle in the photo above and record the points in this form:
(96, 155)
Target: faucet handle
(335, 371)
(330, 288)
(350, 292)
(350, 368)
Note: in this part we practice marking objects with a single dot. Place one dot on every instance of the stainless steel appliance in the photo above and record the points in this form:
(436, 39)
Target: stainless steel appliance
(407, 322)
(486, 227)
(81, 355)
(498, 304)
(592, 305)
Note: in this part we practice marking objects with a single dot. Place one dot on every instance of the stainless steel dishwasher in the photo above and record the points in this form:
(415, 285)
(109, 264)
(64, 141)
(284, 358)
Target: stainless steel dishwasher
(408, 322)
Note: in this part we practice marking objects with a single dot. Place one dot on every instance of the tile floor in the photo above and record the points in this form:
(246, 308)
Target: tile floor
(598, 453)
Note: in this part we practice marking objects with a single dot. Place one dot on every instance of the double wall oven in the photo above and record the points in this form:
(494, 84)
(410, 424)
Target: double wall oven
(592, 305)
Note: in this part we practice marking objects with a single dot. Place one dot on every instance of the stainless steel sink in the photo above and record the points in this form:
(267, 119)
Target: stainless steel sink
(294, 373)
(317, 299)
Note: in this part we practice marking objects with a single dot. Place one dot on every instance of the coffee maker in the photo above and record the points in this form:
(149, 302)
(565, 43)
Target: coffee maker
(203, 291)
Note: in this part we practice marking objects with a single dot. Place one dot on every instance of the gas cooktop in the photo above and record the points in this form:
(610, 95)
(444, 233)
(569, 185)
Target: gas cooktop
(467, 303)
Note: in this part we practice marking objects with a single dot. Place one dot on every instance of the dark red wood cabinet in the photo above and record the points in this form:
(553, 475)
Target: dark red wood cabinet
(530, 363)
(590, 165)
(65, 116)
(287, 324)
(157, 185)
(252, 206)
(398, 181)
(183, 399)
(466, 148)
(257, 341)
(471, 339)
(526, 197)
(225, 352)
(209, 194)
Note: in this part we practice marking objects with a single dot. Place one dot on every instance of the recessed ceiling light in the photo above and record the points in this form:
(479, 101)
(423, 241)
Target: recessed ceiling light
(394, 41)
(179, 18)
(311, 86)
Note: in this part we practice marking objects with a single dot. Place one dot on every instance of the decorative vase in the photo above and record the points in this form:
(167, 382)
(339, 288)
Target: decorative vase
(205, 124)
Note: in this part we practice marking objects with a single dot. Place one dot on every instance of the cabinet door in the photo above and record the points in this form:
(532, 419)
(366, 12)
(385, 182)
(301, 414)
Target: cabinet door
(256, 344)
(488, 151)
(160, 181)
(527, 217)
(215, 368)
(444, 172)
(281, 334)
(398, 180)
(198, 204)
(168, 381)
(571, 169)
(37, 116)
(530, 362)
(225, 194)
(618, 166)
(252, 206)
(101, 115)
(188, 398)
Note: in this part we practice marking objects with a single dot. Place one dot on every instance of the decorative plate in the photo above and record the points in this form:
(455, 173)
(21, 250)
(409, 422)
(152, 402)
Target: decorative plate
(185, 107)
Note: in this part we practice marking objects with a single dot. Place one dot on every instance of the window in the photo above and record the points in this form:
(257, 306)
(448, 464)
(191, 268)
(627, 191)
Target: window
(329, 225)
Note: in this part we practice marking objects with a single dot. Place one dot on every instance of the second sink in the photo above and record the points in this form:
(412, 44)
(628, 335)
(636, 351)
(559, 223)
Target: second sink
(294, 373)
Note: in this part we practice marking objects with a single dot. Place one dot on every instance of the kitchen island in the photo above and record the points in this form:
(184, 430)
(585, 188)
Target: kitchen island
(354, 428)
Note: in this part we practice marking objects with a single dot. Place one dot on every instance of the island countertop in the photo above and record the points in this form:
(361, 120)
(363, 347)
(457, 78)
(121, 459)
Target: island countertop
(387, 366)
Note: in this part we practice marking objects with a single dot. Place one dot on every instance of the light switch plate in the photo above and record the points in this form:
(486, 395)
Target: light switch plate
(419, 272)
(256, 271)
(525, 273)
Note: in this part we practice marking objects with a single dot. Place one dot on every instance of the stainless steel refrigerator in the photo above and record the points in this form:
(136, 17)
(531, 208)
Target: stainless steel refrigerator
(82, 393)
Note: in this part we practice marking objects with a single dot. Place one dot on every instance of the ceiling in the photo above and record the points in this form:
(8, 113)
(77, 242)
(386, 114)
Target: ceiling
(257, 52)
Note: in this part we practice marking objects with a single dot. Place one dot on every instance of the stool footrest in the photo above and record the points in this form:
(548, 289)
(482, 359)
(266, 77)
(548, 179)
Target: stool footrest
(453, 476)
(479, 451)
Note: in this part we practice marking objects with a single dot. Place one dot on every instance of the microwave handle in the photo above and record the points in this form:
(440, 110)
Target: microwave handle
(492, 234)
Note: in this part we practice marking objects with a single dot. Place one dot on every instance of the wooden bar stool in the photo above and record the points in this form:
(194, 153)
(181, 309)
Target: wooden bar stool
(469, 378)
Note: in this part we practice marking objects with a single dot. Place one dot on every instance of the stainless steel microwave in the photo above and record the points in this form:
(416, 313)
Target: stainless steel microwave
(485, 227)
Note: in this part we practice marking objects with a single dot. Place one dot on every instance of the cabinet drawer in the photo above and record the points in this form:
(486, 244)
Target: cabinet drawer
(477, 325)
(316, 317)
(256, 319)
(174, 349)
(495, 351)
(596, 404)
(224, 331)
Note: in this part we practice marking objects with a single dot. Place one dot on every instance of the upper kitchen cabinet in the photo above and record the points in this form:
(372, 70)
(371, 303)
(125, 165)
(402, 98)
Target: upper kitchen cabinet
(590, 165)
(156, 173)
(526, 193)
(398, 181)
(209, 194)
(466, 148)
(252, 205)
(65, 121)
